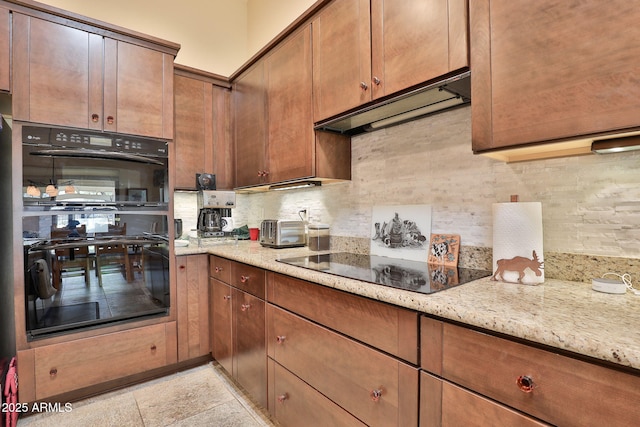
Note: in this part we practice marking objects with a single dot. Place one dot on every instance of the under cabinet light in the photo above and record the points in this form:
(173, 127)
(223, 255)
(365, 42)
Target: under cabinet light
(294, 185)
(616, 145)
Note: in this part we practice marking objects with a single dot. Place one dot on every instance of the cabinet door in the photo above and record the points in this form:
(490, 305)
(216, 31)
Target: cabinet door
(290, 139)
(73, 365)
(221, 324)
(223, 148)
(249, 103)
(138, 90)
(410, 41)
(193, 306)
(374, 387)
(5, 49)
(444, 404)
(52, 71)
(341, 57)
(193, 130)
(294, 403)
(549, 70)
(250, 353)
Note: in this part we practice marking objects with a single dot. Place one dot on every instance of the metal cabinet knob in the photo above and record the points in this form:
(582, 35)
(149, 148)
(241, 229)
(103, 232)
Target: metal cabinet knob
(244, 279)
(110, 120)
(245, 307)
(53, 372)
(95, 118)
(283, 397)
(364, 86)
(376, 81)
(525, 383)
(376, 394)
(280, 339)
(218, 269)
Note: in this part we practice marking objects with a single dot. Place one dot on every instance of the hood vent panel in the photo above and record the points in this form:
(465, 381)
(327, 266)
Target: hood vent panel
(435, 97)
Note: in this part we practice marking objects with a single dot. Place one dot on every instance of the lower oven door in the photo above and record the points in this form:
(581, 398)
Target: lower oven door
(79, 282)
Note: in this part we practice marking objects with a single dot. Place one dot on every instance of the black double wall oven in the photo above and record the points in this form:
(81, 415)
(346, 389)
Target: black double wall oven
(95, 229)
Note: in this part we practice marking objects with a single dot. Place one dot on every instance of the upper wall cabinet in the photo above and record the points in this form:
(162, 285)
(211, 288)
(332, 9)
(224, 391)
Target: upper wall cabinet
(202, 129)
(550, 71)
(5, 49)
(275, 140)
(367, 49)
(71, 77)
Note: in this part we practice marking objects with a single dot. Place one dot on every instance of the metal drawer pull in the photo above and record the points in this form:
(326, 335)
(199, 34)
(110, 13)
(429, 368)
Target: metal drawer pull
(283, 397)
(244, 279)
(525, 383)
(280, 339)
(153, 347)
(245, 307)
(376, 394)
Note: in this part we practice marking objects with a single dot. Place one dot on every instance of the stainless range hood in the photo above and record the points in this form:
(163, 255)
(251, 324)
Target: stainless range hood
(448, 93)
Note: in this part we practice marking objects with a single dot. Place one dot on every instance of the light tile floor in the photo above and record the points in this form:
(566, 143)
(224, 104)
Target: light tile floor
(201, 396)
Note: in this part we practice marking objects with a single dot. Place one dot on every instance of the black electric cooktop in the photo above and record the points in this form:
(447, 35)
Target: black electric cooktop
(413, 276)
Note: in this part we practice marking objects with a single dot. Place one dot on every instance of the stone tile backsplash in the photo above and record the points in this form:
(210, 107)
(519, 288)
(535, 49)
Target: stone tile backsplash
(591, 204)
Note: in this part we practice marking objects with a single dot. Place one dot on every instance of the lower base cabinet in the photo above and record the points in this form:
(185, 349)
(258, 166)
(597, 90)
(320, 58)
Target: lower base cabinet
(445, 404)
(238, 324)
(73, 365)
(375, 388)
(295, 403)
(551, 387)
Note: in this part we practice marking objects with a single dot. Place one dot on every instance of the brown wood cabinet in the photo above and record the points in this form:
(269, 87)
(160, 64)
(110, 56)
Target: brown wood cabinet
(344, 346)
(552, 387)
(238, 324)
(192, 297)
(69, 366)
(294, 403)
(275, 140)
(350, 314)
(5, 50)
(376, 388)
(385, 47)
(66, 75)
(202, 128)
(542, 72)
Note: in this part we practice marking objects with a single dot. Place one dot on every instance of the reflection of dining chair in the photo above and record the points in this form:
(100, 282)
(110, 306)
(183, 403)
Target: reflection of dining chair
(70, 260)
(112, 256)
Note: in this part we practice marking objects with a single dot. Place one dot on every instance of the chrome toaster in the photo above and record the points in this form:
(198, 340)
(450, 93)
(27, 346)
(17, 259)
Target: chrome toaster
(275, 233)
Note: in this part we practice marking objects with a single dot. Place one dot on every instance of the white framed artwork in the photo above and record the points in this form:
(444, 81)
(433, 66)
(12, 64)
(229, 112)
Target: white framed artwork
(401, 231)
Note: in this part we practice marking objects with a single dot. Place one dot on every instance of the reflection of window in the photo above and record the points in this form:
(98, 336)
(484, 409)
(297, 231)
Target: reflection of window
(95, 223)
(93, 189)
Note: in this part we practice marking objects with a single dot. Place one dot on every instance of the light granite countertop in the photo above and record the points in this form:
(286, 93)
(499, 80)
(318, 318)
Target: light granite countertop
(561, 314)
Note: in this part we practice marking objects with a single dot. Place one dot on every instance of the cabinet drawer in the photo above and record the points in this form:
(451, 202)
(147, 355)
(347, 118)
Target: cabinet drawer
(565, 391)
(220, 268)
(69, 366)
(383, 326)
(444, 404)
(347, 372)
(248, 278)
(294, 403)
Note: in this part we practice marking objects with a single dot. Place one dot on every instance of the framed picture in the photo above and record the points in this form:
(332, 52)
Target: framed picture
(401, 231)
(444, 249)
(137, 195)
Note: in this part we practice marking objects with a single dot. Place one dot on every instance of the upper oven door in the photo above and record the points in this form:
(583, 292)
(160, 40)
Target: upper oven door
(62, 167)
